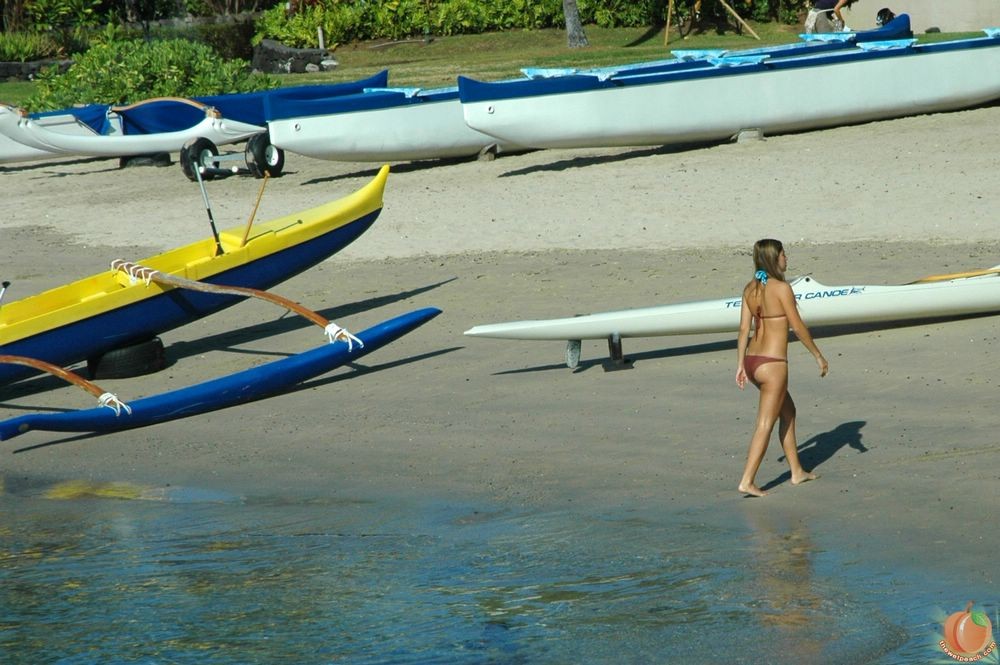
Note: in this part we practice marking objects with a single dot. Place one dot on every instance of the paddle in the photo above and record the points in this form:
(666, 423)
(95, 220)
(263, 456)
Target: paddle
(3, 289)
(958, 275)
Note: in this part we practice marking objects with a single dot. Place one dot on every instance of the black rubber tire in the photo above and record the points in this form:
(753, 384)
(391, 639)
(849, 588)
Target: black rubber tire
(193, 154)
(263, 157)
(128, 361)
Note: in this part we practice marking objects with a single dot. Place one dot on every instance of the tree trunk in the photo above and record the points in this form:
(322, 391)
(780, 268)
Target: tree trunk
(575, 36)
(13, 15)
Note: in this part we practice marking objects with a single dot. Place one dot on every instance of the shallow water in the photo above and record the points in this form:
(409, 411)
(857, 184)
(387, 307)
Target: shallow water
(118, 574)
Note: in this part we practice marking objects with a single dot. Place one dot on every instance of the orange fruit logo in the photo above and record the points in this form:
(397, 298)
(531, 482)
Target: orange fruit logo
(967, 633)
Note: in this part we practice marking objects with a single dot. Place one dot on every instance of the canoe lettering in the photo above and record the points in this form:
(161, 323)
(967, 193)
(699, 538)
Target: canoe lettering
(834, 293)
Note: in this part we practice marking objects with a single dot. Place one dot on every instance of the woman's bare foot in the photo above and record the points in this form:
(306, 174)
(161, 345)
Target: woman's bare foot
(751, 489)
(804, 476)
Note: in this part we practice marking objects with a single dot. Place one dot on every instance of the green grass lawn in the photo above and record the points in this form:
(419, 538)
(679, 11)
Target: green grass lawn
(492, 56)
(15, 92)
(502, 55)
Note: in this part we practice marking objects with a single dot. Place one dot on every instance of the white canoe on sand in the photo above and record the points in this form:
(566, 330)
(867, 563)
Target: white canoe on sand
(14, 151)
(772, 93)
(17, 125)
(935, 297)
(384, 124)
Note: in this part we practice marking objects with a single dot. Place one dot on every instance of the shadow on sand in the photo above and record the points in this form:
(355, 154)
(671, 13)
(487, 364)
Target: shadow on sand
(818, 449)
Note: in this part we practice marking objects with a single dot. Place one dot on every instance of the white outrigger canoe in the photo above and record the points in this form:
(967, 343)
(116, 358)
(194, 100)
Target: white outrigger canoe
(773, 93)
(379, 124)
(937, 297)
(70, 121)
(19, 126)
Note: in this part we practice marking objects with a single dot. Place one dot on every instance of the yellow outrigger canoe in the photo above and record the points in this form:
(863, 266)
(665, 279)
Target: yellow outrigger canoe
(109, 310)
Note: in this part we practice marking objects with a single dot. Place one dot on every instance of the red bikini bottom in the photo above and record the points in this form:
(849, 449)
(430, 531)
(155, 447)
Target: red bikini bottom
(751, 363)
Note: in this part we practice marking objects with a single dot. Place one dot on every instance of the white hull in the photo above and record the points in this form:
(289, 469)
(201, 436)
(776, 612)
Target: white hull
(430, 130)
(15, 151)
(838, 90)
(818, 304)
(39, 136)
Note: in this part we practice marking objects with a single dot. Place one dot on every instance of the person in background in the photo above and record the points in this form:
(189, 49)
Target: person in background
(825, 16)
(768, 302)
(884, 16)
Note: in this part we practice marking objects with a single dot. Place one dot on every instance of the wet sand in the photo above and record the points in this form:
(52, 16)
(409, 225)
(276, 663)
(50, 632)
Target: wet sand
(902, 431)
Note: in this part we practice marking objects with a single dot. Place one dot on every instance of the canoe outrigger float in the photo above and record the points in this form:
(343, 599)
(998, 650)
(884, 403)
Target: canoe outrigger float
(936, 297)
(110, 310)
(250, 384)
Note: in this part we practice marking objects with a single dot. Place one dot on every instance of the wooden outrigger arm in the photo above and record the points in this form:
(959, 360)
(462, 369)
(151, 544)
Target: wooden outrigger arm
(104, 398)
(139, 272)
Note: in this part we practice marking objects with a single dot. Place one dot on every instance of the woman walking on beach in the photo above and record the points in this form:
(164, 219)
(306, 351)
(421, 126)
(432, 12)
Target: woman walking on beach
(769, 303)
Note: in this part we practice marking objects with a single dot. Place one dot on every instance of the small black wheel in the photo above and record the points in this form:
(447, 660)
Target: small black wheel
(127, 361)
(263, 157)
(195, 154)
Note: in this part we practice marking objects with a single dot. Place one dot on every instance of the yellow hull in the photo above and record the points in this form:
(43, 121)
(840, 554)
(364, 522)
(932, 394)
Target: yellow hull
(110, 290)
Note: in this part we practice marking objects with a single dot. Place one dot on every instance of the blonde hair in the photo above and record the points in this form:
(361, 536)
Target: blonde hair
(765, 257)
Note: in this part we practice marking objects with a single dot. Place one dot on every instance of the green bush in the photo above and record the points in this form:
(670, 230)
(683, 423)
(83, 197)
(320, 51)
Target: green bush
(460, 17)
(297, 30)
(25, 47)
(524, 14)
(65, 21)
(620, 13)
(349, 20)
(398, 19)
(125, 71)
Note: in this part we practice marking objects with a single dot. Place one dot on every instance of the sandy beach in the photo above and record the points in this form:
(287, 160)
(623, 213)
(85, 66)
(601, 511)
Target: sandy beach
(903, 431)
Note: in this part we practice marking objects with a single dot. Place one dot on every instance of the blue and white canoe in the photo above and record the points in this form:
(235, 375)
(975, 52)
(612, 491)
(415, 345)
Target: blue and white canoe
(773, 93)
(150, 126)
(380, 124)
(935, 297)
(250, 384)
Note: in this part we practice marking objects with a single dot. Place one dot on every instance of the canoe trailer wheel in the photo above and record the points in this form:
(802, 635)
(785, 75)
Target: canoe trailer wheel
(200, 157)
(199, 153)
(262, 157)
(127, 361)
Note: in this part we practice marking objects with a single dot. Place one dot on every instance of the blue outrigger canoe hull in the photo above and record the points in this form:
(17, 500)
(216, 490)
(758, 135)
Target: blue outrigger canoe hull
(245, 386)
(150, 317)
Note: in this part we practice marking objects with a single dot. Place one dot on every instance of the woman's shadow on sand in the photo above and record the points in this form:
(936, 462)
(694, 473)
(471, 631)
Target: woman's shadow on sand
(818, 449)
